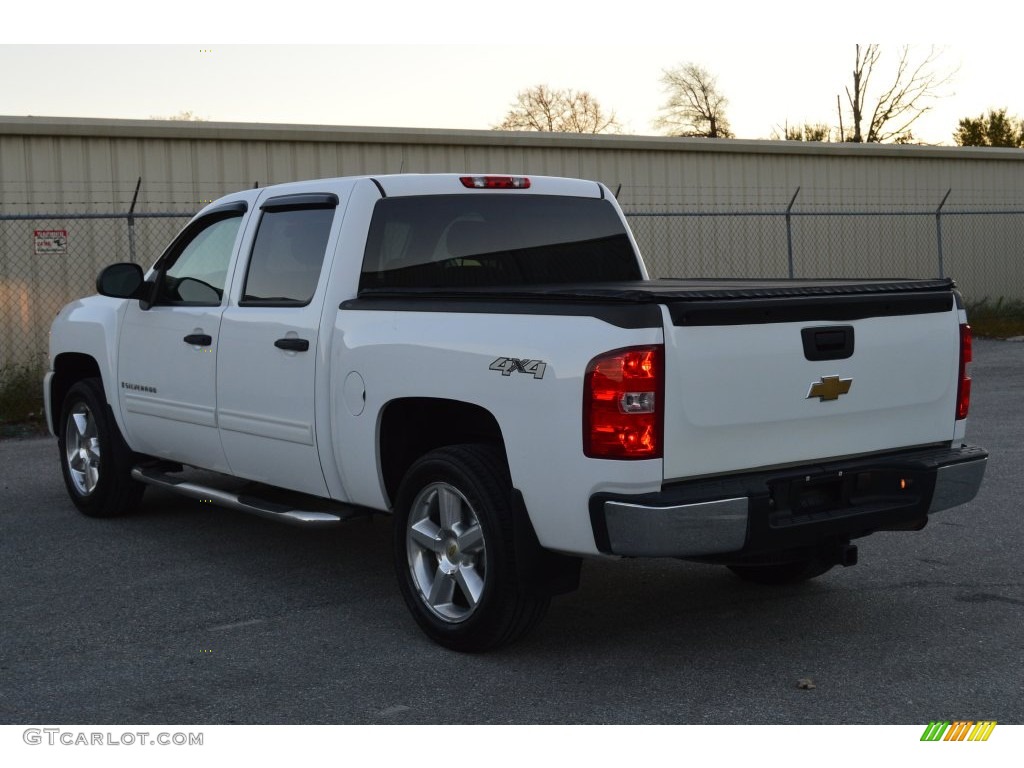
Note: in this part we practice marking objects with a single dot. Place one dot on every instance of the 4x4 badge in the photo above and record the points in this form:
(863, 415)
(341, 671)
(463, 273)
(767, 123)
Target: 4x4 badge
(510, 365)
(829, 388)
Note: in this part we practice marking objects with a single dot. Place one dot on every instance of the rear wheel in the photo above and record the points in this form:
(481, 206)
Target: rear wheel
(454, 550)
(95, 461)
(782, 573)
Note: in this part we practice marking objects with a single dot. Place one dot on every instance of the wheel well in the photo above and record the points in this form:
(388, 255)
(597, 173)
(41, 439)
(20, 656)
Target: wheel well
(412, 427)
(68, 368)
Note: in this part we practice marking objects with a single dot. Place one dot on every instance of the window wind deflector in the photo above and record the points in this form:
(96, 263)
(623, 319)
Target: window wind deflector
(306, 200)
(232, 208)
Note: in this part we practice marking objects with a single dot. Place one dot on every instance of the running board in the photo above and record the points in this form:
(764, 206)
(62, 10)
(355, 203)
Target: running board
(272, 510)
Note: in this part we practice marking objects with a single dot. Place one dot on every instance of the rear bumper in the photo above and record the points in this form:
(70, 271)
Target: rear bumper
(797, 507)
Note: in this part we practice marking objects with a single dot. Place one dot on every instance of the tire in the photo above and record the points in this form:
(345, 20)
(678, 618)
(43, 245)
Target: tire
(454, 549)
(95, 460)
(782, 573)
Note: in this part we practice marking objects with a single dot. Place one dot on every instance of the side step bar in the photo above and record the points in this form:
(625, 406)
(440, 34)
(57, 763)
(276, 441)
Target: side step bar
(272, 510)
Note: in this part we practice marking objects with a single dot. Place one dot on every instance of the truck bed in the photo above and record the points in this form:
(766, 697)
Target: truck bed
(743, 357)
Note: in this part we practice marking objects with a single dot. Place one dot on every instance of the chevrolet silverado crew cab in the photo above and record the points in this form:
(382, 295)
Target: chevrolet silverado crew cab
(486, 359)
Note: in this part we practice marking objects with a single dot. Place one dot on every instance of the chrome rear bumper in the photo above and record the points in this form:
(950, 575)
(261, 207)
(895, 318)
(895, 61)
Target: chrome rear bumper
(796, 507)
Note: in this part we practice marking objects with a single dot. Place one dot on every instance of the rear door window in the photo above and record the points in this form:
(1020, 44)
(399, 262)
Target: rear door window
(287, 256)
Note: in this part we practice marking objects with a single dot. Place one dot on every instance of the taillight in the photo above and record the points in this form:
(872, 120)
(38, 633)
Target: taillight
(495, 182)
(622, 404)
(963, 390)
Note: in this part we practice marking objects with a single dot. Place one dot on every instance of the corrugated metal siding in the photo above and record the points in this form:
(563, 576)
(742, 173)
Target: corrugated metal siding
(48, 160)
(50, 165)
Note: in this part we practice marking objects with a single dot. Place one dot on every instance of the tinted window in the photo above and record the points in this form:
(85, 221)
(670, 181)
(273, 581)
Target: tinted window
(287, 256)
(451, 241)
(198, 272)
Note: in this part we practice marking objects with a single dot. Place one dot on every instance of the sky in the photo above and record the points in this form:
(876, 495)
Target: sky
(458, 64)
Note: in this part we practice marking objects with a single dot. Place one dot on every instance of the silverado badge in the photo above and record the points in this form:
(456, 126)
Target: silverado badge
(829, 388)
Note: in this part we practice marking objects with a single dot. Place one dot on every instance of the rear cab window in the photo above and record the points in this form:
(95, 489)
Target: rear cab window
(495, 240)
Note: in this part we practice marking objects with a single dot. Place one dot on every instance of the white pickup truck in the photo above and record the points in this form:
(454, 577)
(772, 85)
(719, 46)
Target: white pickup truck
(485, 358)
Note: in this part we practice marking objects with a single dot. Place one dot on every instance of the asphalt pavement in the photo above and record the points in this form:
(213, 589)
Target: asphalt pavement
(188, 614)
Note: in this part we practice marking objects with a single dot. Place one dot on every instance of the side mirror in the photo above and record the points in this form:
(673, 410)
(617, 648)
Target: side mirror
(121, 281)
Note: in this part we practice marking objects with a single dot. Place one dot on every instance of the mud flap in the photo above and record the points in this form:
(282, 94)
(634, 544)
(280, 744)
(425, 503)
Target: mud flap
(540, 570)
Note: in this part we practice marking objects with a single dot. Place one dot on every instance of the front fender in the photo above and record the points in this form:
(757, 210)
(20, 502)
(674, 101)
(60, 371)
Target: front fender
(89, 327)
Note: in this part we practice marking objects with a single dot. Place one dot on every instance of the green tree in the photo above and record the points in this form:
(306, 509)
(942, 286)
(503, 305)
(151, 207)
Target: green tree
(695, 106)
(557, 110)
(996, 129)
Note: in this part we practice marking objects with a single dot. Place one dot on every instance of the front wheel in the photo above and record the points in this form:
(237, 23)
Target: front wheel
(95, 461)
(454, 550)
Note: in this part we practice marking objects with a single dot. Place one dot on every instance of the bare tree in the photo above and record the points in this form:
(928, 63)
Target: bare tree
(889, 114)
(805, 132)
(695, 106)
(816, 132)
(186, 115)
(542, 108)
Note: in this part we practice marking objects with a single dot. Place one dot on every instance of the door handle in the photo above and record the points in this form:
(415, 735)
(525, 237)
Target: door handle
(292, 345)
(199, 339)
(828, 342)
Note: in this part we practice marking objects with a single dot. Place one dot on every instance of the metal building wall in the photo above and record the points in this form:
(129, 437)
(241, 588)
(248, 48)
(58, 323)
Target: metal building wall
(63, 165)
(95, 163)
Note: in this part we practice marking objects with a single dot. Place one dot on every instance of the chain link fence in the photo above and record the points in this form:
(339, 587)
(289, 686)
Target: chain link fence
(982, 250)
(48, 260)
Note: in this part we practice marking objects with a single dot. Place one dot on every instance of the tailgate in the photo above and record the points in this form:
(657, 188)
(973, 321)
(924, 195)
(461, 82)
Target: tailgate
(770, 382)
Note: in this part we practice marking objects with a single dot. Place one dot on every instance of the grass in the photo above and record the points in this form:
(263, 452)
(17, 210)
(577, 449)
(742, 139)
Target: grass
(999, 319)
(21, 400)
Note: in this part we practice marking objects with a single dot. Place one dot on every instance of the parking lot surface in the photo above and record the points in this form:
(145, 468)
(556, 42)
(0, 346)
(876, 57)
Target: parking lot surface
(186, 613)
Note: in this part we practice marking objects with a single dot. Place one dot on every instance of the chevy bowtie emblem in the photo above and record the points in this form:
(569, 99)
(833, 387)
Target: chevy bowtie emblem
(829, 388)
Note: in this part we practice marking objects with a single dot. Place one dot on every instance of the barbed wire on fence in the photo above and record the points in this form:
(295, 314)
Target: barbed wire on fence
(723, 194)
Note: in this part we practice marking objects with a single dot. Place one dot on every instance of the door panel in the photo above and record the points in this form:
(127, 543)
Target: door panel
(267, 357)
(167, 356)
(168, 387)
(265, 397)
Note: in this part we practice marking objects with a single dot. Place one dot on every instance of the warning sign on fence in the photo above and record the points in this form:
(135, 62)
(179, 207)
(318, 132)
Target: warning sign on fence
(50, 241)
